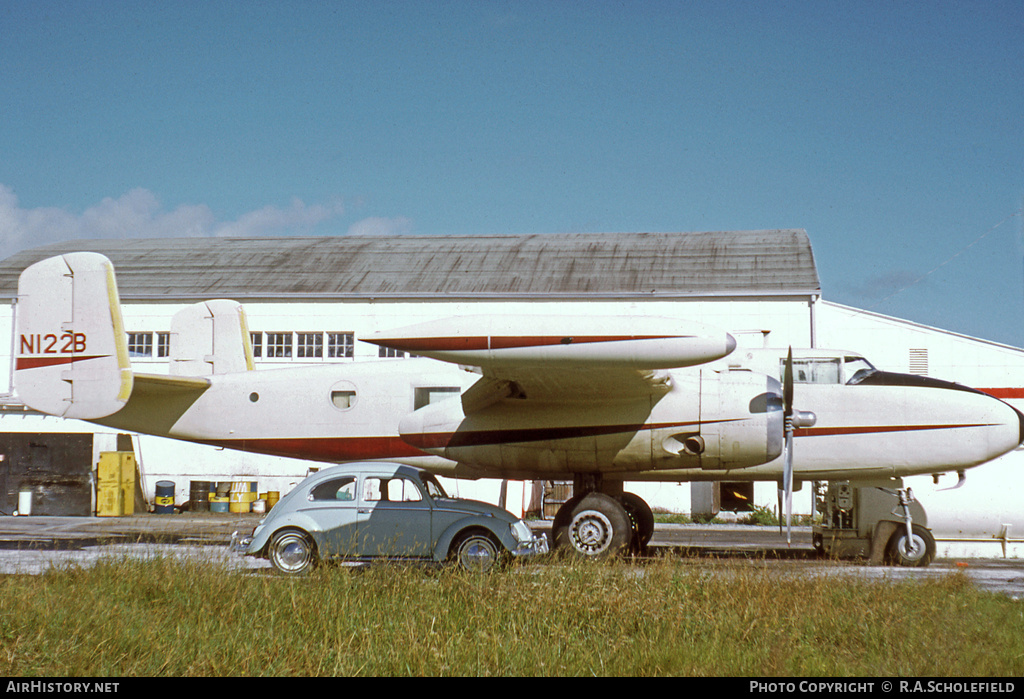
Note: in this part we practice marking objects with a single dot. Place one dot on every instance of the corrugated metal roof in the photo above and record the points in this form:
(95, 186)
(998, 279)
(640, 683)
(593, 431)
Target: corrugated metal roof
(770, 262)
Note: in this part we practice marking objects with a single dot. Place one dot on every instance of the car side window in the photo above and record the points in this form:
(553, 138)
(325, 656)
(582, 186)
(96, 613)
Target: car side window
(390, 490)
(343, 488)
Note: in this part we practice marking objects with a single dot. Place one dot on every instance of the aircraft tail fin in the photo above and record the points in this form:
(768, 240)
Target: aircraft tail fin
(71, 353)
(211, 337)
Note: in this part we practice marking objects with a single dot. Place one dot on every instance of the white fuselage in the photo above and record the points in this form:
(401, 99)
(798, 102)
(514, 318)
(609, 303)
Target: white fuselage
(354, 411)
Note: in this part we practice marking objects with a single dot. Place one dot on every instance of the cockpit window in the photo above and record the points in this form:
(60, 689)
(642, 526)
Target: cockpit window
(813, 370)
(850, 369)
(857, 368)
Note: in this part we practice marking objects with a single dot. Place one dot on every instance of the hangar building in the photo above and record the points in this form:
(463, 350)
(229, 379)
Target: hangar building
(311, 300)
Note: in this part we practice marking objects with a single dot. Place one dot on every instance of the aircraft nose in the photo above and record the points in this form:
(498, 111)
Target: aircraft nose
(1020, 422)
(985, 427)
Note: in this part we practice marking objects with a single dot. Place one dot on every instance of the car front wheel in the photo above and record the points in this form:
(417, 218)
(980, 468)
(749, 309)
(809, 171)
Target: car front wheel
(478, 552)
(292, 552)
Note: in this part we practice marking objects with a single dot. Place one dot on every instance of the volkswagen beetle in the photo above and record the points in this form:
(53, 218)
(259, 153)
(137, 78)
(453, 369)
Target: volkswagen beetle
(365, 511)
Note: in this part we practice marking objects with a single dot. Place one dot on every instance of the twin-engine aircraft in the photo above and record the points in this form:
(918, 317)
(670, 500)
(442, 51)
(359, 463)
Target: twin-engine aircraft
(600, 401)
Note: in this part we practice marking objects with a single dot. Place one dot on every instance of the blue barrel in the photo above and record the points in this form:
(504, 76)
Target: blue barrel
(164, 498)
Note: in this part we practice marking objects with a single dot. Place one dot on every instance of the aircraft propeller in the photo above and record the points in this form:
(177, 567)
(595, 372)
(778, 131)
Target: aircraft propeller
(792, 420)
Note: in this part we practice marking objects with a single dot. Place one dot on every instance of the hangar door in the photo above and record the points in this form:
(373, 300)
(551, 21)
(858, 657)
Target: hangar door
(55, 467)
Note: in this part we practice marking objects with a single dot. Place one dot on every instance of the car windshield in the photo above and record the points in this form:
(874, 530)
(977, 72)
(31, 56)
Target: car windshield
(434, 488)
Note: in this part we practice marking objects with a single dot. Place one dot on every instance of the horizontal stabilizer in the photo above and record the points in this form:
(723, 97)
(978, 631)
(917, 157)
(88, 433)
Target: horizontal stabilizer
(615, 341)
(71, 351)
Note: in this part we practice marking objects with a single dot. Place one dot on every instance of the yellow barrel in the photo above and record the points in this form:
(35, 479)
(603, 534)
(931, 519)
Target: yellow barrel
(219, 503)
(272, 497)
(240, 500)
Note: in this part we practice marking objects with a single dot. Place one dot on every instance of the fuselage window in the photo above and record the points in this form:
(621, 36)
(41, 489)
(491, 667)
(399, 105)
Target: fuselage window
(343, 400)
(432, 394)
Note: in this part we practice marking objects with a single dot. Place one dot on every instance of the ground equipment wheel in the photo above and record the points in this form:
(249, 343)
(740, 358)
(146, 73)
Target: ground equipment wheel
(917, 551)
(292, 552)
(478, 552)
(598, 526)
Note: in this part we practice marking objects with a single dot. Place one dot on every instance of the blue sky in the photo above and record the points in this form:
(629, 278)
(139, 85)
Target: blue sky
(891, 132)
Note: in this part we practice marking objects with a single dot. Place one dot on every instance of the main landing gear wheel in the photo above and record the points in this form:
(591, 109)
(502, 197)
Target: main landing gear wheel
(916, 551)
(292, 552)
(642, 519)
(597, 526)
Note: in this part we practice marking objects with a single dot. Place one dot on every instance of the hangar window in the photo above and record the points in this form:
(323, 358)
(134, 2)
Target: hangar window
(279, 345)
(163, 344)
(140, 344)
(388, 352)
(341, 345)
(310, 345)
(307, 345)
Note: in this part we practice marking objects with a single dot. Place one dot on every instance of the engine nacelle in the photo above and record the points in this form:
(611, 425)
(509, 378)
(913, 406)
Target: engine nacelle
(710, 420)
(741, 423)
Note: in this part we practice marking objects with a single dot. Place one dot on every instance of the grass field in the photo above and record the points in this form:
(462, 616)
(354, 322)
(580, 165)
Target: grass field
(719, 618)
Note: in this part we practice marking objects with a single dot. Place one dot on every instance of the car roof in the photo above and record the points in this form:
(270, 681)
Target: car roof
(375, 468)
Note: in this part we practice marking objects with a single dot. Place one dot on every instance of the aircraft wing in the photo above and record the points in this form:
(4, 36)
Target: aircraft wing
(521, 342)
(552, 358)
(561, 385)
(573, 389)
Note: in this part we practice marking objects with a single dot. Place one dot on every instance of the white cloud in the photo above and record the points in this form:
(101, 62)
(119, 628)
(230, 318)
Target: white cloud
(138, 214)
(381, 226)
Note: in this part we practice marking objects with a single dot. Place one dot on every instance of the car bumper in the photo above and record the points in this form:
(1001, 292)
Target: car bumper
(239, 543)
(534, 547)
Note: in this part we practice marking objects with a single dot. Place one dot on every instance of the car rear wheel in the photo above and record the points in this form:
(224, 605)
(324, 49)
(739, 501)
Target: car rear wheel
(478, 552)
(292, 552)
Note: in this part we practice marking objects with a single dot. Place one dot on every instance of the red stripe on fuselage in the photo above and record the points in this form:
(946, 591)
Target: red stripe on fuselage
(358, 448)
(874, 429)
(325, 448)
(1004, 393)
